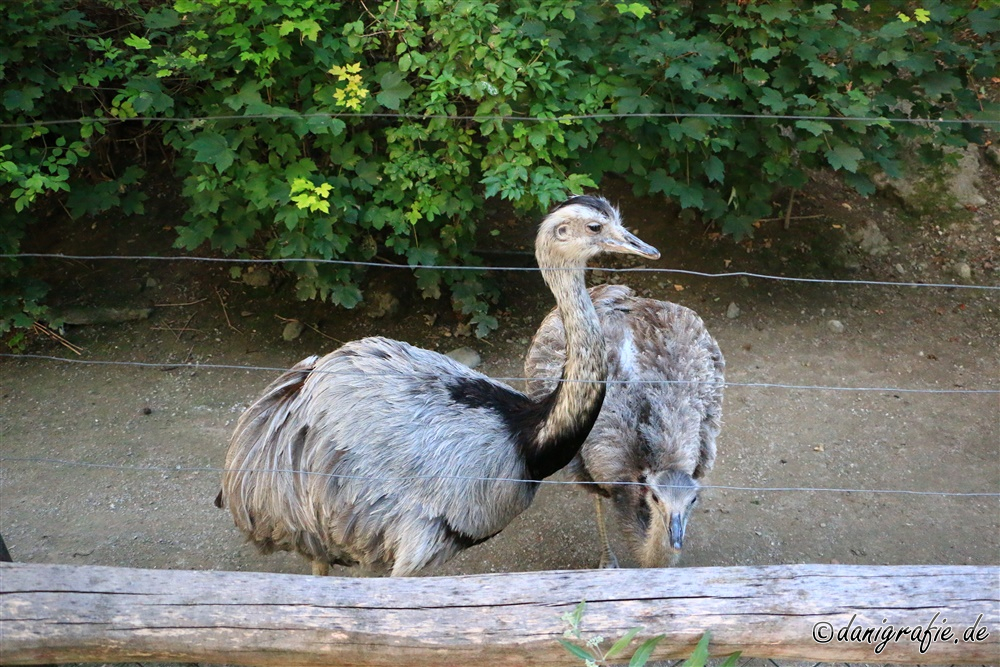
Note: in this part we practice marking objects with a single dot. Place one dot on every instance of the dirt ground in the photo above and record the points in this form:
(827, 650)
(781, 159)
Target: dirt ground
(118, 464)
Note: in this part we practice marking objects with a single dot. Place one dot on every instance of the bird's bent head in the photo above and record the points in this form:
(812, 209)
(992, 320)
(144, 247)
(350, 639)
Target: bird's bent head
(582, 227)
(670, 497)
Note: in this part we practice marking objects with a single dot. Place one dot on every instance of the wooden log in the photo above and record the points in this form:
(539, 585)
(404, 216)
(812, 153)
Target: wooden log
(59, 613)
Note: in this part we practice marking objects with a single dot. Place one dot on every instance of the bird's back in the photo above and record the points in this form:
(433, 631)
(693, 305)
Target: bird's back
(393, 459)
(664, 401)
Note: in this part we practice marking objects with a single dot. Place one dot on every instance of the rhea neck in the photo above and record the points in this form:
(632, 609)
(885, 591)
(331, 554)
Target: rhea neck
(569, 412)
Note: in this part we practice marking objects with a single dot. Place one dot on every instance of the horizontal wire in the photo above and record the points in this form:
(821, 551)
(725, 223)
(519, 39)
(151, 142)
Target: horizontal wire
(475, 478)
(345, 262)
(757, 385)
(502, 118)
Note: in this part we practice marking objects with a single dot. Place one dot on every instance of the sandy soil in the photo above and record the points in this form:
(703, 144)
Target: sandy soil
(144, 443)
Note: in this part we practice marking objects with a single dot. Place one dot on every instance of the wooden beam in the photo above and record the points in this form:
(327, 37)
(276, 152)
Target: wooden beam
(60, 613)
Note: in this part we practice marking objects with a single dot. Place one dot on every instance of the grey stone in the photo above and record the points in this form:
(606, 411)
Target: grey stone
(963, 270)
(257, 276)
(466, 356)
(733, 311)
(872, 241)
(380, 304)
(925, 188)
(836, 326)
(964, 182)
(993, 154)
(292, 330)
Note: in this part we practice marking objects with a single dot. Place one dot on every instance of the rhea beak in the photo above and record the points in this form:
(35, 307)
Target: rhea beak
(676, 531)
(620, 240)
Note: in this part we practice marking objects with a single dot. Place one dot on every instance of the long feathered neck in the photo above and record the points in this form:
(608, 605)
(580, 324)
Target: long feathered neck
(569, 413)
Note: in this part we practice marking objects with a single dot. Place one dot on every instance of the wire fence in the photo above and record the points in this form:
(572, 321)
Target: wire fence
(958, 390)
(479, 478)
(638, 269)
(320, 371)
(492, 118)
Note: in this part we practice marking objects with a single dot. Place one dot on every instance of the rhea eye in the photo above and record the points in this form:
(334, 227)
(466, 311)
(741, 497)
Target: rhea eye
(694, 501)
(594, 227)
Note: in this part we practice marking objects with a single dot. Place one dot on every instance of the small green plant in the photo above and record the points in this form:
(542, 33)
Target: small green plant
(592, 653)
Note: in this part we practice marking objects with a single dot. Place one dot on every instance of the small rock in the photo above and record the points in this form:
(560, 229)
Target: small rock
(381, 304)
(257, 277)
(872, 241)
(836, 326)
(900, 270)
(963, 270)
(151, 283)
(993, 154)
(466, 356)
(733, 311)
(292, 330)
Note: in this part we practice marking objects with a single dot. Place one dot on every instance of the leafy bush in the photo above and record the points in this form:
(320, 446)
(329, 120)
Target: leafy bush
(292, 149)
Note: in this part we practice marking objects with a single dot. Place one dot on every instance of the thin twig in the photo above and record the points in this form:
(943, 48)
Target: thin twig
(794, 217)
(178, 305)
(45, 331)
(175, 329)
(305, 324)
(788, 211)
(225, 311)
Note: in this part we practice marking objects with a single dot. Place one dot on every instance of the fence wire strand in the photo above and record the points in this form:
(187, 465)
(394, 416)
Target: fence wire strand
(276, 369)
(565, 118)
(475, 478)
(390, 265)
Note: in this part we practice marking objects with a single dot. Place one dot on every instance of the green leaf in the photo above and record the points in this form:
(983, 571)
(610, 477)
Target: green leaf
(731, 660)
(714, 169)
(844, 157)
(700, 654)
(18, 100)
(936, 84)
(395, 89)
(212, 148)
(984, 21)
(622, 643)
(641, 655)
(660, 182)
(815, 127)
(764, 53)
(637, 9)
(577, 651)
(322, 124)
(861, 183)
(162, 18)
(347, 296)
(138, 43)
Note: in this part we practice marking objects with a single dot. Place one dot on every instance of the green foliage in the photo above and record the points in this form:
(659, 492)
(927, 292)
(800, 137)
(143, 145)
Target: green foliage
(292, 151)
(592, 654)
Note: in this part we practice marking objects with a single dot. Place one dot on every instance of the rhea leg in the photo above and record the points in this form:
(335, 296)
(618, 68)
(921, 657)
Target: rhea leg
(608, 560)
(320, 568)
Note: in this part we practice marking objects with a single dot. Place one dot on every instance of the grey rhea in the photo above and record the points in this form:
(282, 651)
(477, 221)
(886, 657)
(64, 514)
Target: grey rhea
(395, 458)
(657, 437)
